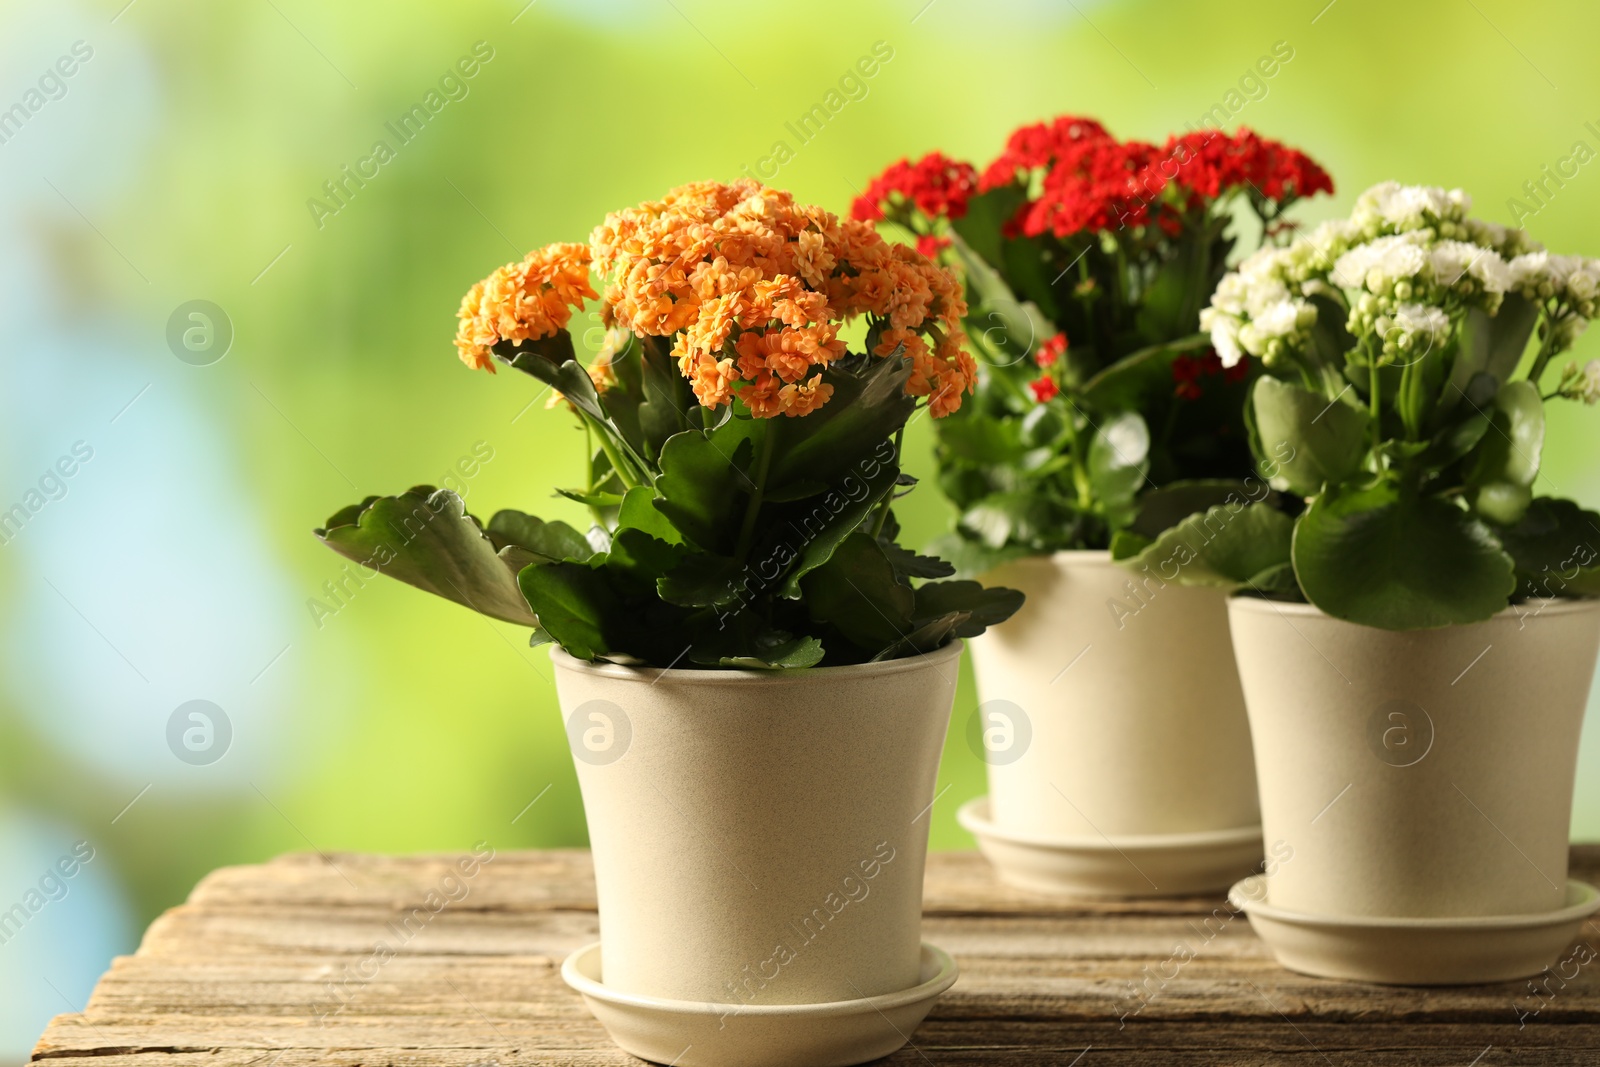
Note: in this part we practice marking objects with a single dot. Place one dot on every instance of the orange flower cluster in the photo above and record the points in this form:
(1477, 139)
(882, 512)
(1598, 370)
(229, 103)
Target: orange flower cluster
(523, 301)
(756, 287)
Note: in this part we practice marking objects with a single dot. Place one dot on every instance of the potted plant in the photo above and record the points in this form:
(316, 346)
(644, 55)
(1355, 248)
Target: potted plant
(1111, 717)
(1414, 634)
(757, 677)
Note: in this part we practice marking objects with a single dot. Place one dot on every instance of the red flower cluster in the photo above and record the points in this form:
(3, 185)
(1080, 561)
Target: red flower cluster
(1044, 389)
(1051, 351)
(1188, 370)
(1209, 164)
(935, 184)
(1088, 181)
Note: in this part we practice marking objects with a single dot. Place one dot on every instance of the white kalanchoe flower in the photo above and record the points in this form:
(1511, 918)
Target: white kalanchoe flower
(1420, 325)
(1381, 263)
(1395, 208)
(1224, 331)
(1541, 275)
(1581, 383)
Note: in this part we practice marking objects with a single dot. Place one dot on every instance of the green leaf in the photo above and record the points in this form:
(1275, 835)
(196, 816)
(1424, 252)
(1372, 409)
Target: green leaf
(1506, 461)
(908, 564)
(857, 594)
(981, 439)
(703, 486)
(1119, 463)
(1171, 303)
(425, 537)
(592, 500)
(667, 396)
(550, 540)
(987, 214)
(638, 511)
(1012, 328)
(574, 603)
(643, 557)
(972, 558)
(980, 606)
(1325, 439)
(822, 528)
(777, 651)
(1556, 546)
(703, 580)
(1163, 507)
(853, 430)
(1128, 383)
(1382, 557)
(1228, 545)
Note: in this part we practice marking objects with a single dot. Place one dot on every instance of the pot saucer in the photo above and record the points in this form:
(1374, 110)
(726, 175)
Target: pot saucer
(1411, 951)
(1142, 865)
(695, 1034)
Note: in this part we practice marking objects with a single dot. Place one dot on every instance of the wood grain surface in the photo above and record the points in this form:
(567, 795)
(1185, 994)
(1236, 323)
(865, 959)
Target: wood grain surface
(273, 966)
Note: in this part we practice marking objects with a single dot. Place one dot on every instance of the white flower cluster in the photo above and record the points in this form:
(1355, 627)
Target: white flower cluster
(1406, 264)
(1582, 383)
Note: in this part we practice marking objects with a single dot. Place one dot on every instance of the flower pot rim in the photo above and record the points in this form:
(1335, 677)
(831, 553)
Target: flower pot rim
(1075, 557)
(1579, 901)
(1554, 605)
(932, 958)
(737, 676)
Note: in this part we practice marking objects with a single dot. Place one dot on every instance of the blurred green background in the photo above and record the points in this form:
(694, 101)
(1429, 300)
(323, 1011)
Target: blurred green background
(176, 163)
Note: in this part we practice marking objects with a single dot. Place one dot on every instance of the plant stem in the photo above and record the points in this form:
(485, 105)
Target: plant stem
(1374, 400)
(882, 518)
(610, 449)
(588, 469)
(747, 528)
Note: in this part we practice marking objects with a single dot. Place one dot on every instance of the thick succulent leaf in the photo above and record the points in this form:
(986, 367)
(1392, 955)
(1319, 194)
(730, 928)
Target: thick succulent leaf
(1228, 545)
(1013, 328)
(1171, 304)
(981, 606)
(1310, 440)
(1119, 464)
(643, 557)
(987, 214)
(1556, 546)
(849, 433)
(1127, 383)
(574, 603)
(1379, 556)
(425, 537)
(856, 592)
(549, 540)
(971, 558)
(667, 397)
(822, 527)
(1506, 461)
(777, 651)
(1163, 507)
(909, 564)
(703, 486)
(639, 512)
(704, 580)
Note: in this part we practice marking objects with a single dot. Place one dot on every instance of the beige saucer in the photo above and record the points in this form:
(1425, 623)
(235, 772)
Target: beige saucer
(1146, 865)
(687, 1034)
(1461, 951)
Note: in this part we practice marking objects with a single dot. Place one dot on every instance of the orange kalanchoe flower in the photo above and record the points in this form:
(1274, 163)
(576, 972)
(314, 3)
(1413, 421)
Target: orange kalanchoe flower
(759, 286)
(753, 286)
(523, 301)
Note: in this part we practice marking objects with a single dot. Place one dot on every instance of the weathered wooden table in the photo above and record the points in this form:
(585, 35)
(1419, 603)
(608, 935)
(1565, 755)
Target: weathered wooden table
(367, 960)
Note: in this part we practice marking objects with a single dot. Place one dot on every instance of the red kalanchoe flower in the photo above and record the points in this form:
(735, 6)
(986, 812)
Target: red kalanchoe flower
(1051, 351)
(935, 184)
(1044, 388)
(1188, 370)
(931, 245)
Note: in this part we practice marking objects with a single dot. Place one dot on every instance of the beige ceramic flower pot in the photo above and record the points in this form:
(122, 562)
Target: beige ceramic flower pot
(1130, 718)
(1417, 774)
(759, 838)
